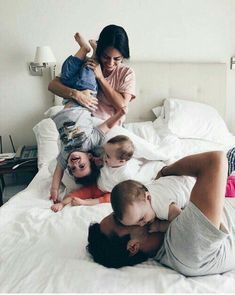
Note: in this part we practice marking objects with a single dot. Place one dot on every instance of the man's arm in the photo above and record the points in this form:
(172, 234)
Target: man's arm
(210, 170)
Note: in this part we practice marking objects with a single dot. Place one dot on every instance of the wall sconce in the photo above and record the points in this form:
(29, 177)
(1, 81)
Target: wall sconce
(43, 57)
(232, 63)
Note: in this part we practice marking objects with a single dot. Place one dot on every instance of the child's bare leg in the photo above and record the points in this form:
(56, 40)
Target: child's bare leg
(85, 202)
(93, 44)
(84, 46)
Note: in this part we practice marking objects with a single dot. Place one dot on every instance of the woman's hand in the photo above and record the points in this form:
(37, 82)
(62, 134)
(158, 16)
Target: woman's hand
(86, 99)
(95, 66)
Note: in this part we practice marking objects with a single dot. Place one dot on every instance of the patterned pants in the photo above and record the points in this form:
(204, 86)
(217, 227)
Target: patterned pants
(231, 160)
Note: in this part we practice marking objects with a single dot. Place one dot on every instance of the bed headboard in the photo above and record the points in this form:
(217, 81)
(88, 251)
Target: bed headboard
(201, 82)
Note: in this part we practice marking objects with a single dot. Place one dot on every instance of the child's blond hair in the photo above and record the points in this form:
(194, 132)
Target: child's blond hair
(125, 147)
(125, 193)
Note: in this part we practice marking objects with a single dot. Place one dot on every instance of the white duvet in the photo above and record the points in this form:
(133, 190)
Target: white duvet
(43, 251)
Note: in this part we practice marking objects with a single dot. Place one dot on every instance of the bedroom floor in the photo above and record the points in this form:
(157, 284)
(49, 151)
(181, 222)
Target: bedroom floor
(15, 183)
(10, 191)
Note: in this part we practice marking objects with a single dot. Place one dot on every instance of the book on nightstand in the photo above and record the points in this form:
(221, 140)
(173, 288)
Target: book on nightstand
(6, 156)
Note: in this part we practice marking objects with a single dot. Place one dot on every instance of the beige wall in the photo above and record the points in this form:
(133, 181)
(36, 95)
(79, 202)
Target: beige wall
(161, 30)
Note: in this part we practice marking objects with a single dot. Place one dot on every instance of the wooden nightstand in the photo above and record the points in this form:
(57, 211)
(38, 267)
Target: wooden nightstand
(7, 168)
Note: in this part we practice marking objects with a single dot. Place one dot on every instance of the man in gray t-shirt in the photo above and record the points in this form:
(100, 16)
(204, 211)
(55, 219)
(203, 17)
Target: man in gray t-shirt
(199, 241)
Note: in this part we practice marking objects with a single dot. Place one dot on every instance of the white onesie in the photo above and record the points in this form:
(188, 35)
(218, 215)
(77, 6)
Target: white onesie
(109, 176)
(167, 190)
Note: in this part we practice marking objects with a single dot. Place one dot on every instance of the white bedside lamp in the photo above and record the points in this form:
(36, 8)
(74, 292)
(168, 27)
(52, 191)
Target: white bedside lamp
(44, 57)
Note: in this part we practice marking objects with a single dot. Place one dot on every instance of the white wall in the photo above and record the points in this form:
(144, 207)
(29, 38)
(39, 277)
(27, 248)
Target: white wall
(161, 30)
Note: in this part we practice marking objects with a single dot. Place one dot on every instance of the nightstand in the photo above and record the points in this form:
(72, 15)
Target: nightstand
(7, 168)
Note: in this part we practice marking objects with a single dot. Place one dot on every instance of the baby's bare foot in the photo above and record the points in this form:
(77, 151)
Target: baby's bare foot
(93, 44)
(82, 42)
(57, 207)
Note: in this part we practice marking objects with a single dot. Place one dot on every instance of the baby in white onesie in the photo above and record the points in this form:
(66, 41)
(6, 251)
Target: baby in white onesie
(136, 204)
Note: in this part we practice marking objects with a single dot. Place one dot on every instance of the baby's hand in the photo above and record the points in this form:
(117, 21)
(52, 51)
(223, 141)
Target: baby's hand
(98, 161)
(124, 110)
(154, 226)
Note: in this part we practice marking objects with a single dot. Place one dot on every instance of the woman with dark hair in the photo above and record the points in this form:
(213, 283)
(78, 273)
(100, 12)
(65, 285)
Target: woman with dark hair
(116, 80)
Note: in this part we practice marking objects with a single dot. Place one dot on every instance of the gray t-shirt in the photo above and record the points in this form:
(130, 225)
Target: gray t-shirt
(193, 246)
(77, 132)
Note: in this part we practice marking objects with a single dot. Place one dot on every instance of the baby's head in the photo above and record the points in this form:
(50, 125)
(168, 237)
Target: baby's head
(81, 166)
(118, 150)
(131, 203)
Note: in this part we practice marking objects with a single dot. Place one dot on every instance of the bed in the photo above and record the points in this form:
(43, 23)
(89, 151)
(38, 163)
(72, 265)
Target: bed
(45, 252)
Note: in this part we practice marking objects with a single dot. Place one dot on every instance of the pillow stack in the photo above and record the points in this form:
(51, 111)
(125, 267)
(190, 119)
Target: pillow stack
(188, 119)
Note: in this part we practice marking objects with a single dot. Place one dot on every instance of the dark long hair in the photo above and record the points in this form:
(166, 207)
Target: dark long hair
(113, 36)
(111, 251)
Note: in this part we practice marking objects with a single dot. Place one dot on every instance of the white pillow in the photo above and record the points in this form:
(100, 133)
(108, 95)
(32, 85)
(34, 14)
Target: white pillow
(144, 130)
(188, 119)
(58, 101)
(46, 135)
(158, 111)
(53, 111)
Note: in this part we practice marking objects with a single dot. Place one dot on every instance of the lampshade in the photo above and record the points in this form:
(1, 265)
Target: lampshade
(44, 54)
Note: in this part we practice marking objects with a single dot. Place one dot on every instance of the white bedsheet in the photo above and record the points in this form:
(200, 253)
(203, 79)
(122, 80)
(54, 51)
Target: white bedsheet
(43, 251)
